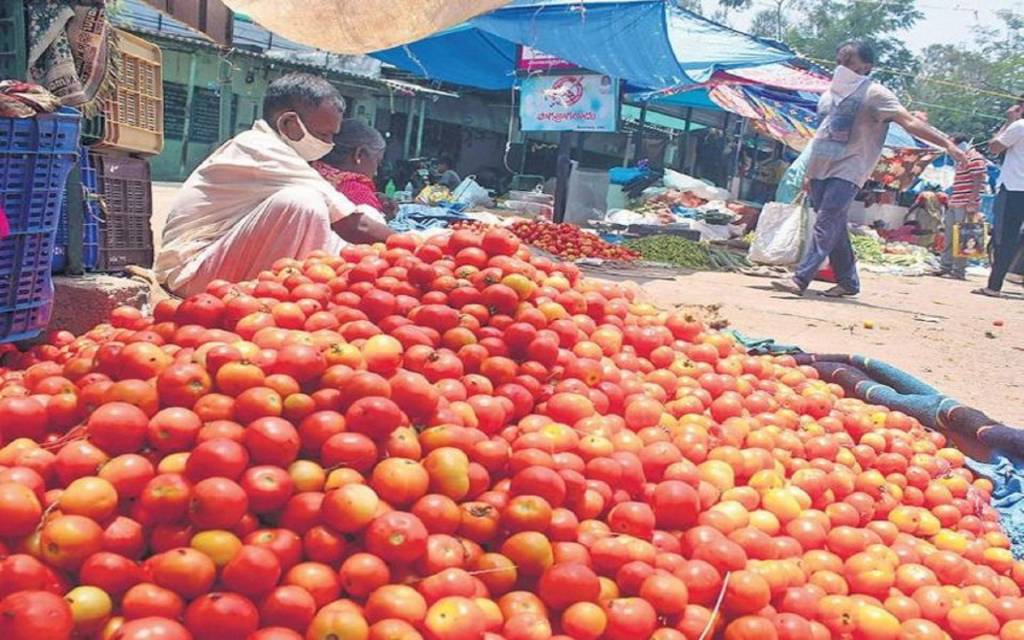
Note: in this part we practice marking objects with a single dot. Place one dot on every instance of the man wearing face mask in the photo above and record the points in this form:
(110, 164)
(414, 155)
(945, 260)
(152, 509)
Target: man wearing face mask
(257, 199)
(855, 115)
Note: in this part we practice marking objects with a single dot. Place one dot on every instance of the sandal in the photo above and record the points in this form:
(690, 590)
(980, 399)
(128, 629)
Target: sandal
(985, 291)
(788, 286)
(838, 291)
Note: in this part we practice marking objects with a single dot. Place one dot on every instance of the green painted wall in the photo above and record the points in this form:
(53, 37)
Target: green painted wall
(226, 94)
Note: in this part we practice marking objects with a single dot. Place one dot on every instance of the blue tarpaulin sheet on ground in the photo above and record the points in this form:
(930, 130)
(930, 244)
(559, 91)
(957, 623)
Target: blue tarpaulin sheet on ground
(1007, 496)
(649, 43)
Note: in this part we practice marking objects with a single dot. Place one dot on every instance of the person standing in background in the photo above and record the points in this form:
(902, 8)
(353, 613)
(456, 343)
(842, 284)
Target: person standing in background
(448, 177)
(856, 112)
(964, 204)
(1009, 209)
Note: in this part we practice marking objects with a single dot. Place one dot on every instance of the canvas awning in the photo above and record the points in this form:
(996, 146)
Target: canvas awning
(359, 26)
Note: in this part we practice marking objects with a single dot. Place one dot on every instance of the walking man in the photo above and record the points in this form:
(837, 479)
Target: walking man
(856, 112)
(964, 204)
(1009, 214)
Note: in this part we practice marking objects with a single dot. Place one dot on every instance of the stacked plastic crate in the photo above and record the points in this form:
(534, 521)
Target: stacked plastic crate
(129, 129)
(36, 155)
(90, 205)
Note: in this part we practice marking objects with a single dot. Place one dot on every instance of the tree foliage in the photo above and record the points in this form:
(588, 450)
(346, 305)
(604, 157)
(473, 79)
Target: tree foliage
(816, 27)
(953, 83)
(956, 83)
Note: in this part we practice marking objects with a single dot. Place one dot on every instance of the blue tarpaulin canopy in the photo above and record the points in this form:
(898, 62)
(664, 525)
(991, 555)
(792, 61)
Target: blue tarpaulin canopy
(649, 43)
(463, 55)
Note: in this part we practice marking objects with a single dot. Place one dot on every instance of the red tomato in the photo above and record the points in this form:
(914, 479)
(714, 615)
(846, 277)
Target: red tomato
(31, 615)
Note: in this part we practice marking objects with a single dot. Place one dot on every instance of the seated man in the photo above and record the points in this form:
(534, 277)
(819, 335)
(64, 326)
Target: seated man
(256, 199)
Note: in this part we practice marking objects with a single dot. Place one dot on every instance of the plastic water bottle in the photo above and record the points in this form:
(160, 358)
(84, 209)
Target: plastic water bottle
(390, 189)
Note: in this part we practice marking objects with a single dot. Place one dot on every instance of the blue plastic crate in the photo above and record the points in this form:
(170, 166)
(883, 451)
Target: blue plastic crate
(36, 155)
(90, 220)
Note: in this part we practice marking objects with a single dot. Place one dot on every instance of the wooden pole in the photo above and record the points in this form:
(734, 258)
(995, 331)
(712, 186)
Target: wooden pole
(684, 142)
(76, 221)
(563, 167)
(409, 114)
(419, 128)
(186, 129)
(639, 140)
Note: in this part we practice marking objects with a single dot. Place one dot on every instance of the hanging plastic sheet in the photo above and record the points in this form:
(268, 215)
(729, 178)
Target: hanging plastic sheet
(649, 43)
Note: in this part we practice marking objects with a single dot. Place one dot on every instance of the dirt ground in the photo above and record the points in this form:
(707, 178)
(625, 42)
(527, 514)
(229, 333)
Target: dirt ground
(932, 328)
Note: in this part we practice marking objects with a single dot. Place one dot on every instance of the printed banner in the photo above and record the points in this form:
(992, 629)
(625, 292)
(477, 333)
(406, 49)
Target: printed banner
(530, 60)
(577, 102)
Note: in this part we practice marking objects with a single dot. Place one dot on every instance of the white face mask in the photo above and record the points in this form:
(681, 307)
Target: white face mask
(309, 147)
(845, 81)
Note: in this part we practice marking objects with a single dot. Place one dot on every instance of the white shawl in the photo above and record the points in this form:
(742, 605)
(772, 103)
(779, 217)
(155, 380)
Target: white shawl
(229, 185)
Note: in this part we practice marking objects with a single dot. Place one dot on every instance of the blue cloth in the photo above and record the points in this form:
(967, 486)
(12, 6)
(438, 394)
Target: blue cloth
(420, 217)
(688, 213)
(762, 346)
(1007, 496)
(625, 175)
(830, 239)
(650, 43)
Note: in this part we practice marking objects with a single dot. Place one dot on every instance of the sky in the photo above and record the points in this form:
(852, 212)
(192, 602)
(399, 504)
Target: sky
(950, 21)
(945, 21)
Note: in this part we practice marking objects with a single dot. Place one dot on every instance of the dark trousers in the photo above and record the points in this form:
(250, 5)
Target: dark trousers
(1018, 264)
(831, 200)
(1007, 235)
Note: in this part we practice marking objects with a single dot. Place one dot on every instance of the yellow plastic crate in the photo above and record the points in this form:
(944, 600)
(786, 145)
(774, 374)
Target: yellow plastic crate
(134, 115)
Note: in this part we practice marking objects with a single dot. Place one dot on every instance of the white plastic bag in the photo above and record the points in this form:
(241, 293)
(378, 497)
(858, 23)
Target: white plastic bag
(699, 188)
(470, 193)
(782, 231)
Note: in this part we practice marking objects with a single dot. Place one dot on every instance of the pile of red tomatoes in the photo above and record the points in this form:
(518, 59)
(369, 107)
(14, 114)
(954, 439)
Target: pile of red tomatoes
(564, 240)
(451, 440)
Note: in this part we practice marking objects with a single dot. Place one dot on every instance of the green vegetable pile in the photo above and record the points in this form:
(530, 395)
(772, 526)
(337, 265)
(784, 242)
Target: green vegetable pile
(679, 251)
(867, 249)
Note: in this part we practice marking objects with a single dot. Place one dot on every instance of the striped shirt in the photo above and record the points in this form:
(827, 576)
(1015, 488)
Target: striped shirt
(969, 182)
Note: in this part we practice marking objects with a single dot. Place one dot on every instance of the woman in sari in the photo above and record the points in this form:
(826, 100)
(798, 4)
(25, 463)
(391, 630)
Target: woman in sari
(351, 166)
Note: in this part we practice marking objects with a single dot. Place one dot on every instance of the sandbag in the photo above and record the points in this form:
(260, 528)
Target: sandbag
(360, 26)
(782, 229)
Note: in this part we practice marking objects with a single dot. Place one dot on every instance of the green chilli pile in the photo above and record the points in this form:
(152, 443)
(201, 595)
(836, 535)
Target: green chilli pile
(867, 249)
(678, 251)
